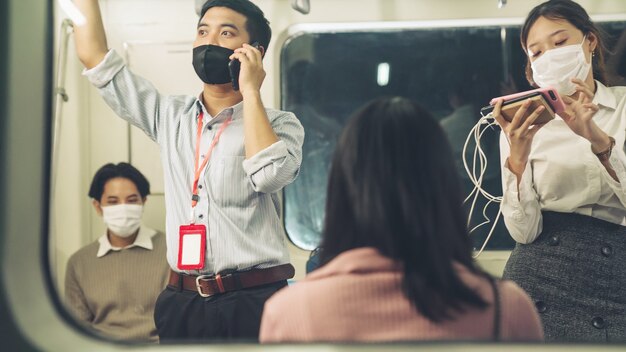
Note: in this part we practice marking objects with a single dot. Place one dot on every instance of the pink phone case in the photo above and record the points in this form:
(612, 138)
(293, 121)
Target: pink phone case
(550, 95)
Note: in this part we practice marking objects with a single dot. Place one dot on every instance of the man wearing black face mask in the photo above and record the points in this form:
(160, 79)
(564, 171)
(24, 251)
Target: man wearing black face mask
(206, 60)
(225, 158)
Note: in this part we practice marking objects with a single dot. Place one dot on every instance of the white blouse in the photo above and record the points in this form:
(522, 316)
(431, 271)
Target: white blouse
(563, 175)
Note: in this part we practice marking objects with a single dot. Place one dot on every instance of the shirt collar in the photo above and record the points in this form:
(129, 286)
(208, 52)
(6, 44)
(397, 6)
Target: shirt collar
(359, 260)
(368, 260)
(143, 240)
(604, 96)
(236, 111)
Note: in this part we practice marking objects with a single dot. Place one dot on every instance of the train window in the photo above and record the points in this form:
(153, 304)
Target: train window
(453, 70)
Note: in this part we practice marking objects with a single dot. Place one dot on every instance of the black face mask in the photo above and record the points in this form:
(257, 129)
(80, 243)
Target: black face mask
(211, 63)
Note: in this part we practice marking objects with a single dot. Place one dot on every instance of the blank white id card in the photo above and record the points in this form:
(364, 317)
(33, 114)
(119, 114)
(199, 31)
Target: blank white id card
(191, 247)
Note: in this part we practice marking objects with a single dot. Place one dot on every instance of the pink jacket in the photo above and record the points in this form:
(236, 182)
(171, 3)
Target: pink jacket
(358, 297)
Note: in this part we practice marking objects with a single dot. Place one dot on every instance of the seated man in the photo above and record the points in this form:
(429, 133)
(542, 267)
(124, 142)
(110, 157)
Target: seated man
(112, 283)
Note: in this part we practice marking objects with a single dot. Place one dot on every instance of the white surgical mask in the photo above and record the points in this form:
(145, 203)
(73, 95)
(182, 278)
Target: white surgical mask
(122, 219)
(556, 68)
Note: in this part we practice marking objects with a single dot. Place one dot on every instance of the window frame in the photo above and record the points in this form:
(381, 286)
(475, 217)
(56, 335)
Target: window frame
(498, 256)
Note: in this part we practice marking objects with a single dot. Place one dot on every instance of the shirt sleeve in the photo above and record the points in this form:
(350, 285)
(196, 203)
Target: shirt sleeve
(520, 320)
(131, 97)
(74, 296)
(520, 208)
(283, 319)
(617, 161)
(278, 165)
(268, 330)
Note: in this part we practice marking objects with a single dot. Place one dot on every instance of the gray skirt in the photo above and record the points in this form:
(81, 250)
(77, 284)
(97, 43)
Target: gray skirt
(575, 272)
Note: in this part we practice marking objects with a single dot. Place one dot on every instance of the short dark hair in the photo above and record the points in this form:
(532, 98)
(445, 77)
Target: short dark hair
(394, 186)
(575, 14)
(257, 25)
(124, 170)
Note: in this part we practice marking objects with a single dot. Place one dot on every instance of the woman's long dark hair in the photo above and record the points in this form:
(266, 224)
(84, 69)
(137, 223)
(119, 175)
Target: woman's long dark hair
(394, 186)
(575, 14)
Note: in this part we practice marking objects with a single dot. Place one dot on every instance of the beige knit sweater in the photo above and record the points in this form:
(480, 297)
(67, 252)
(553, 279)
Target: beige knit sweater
(115, 294)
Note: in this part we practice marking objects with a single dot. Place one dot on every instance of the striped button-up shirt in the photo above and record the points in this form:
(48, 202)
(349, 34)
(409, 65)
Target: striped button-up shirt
(239, 198)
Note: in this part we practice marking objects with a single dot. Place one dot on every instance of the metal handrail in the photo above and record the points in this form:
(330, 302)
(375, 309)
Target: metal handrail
(302, 6)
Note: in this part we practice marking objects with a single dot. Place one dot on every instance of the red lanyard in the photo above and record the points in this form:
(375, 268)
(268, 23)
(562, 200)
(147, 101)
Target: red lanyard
(198, 170)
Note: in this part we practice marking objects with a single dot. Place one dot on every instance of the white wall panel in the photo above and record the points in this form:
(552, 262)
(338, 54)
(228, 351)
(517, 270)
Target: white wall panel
(168, 66)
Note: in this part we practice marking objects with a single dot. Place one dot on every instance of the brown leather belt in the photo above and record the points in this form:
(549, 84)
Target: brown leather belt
(209, 285)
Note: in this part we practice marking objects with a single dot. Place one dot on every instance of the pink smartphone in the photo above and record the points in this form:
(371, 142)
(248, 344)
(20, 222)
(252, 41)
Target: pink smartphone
(549, 94)
(541, 96)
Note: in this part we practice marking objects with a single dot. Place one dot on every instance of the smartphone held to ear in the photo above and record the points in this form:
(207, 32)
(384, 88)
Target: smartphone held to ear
(234, 66)
(547, 97)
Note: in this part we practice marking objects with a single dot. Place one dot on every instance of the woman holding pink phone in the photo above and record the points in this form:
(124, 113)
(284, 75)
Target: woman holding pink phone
(564, 182)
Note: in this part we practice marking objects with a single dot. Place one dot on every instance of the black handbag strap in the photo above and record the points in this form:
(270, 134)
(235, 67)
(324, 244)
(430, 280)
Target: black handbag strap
(496, 310)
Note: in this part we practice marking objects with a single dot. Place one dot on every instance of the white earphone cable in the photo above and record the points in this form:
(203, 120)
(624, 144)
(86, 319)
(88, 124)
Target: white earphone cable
(476, 175)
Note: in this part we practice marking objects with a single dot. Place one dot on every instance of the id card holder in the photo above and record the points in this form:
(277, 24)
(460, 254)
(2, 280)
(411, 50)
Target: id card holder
(191, 247)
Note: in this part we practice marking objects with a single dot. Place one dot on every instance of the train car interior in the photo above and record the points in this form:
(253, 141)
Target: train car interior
(326, 59)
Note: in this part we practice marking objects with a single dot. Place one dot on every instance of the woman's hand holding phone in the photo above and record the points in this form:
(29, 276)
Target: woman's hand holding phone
(520, 133)
(548, 97)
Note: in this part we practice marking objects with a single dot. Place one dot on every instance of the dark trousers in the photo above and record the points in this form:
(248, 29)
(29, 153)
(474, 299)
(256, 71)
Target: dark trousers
(182, 314)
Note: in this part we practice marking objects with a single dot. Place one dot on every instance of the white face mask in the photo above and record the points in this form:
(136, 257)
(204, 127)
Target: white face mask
(122, 219)
(556, 67)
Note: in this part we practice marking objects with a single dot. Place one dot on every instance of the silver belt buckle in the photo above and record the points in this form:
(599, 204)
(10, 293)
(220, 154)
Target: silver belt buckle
(199, 287)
